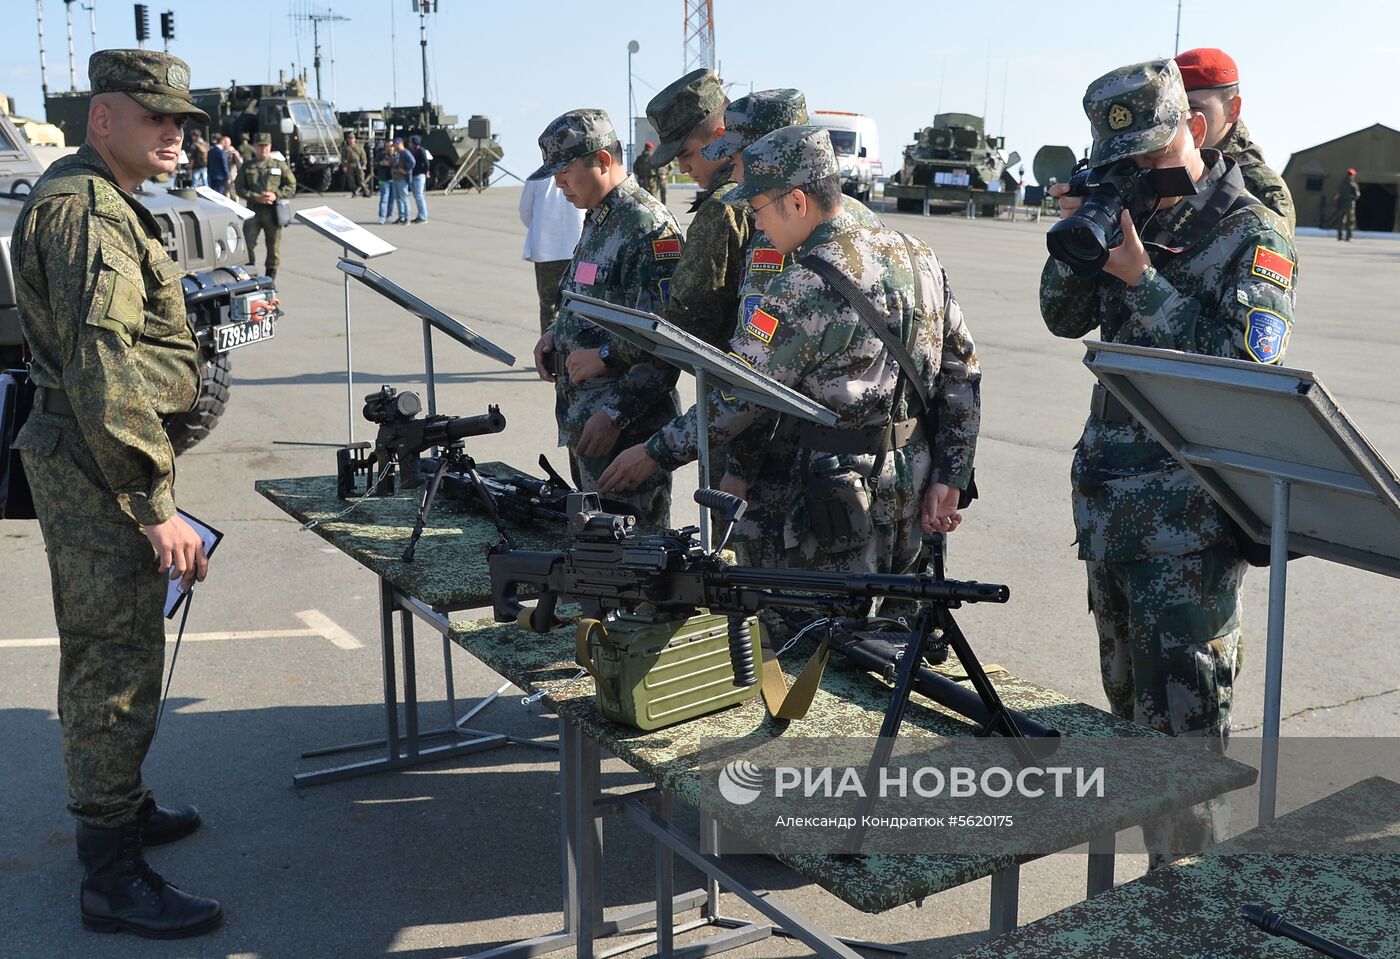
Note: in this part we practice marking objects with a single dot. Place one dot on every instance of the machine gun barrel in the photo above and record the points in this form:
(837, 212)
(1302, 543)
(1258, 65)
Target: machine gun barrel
(920, 587)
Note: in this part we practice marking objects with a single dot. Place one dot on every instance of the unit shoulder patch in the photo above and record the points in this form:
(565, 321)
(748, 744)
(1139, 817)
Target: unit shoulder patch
(761, 325)
(1265, 335)
(1271, 266)
(667, 249)
(766, 258)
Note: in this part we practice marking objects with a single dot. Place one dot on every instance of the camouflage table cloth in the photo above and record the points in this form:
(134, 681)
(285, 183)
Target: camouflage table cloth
(1189, 909)
(849, 704)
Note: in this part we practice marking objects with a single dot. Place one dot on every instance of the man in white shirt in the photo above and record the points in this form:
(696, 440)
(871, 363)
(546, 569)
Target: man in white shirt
(552, 228)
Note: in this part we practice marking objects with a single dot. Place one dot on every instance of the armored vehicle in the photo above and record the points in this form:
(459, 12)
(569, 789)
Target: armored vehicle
(954, 161)
(448, 142)
(228, 308)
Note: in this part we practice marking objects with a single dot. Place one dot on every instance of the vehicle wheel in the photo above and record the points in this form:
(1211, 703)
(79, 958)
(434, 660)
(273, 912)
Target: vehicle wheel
(442, 172)
(187, 429)
(906, 205)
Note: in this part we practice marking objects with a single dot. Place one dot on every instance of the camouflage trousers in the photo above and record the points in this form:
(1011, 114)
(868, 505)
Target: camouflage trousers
(1170, 647)
(651, 501)
(1346, 221)
(547, 278)
(108, 600)
(263, 220)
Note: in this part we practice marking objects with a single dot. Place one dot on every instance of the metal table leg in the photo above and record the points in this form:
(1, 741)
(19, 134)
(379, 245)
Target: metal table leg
(1100, 865)
(1006, 891)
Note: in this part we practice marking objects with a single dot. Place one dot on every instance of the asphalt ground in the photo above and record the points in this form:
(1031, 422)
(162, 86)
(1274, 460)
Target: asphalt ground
(453, 858)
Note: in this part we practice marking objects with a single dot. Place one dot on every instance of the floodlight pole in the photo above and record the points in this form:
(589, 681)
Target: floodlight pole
(1273, 655)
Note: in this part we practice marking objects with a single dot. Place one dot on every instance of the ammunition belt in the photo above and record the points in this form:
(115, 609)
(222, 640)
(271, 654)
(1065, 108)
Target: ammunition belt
(865, 440)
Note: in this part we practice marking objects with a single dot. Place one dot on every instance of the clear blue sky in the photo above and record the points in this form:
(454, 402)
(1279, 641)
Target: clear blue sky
(1309, 72)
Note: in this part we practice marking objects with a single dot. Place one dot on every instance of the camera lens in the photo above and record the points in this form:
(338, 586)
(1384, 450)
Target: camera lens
(1082, 241)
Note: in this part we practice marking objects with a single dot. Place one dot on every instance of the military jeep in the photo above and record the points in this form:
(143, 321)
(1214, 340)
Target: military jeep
(228, 307)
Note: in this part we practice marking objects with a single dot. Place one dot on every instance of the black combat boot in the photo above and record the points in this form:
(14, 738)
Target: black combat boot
(163, 824)
(122, 893)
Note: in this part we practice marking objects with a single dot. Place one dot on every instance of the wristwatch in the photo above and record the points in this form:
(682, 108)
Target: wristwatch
(605, 354)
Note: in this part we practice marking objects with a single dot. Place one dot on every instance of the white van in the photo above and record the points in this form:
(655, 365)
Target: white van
(857, 145)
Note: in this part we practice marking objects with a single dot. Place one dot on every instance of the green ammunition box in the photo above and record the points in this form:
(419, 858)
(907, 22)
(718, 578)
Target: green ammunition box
(655, 670)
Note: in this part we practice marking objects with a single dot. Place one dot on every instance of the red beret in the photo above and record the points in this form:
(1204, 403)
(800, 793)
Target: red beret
(1351, 171)
(651, 145)
(1206, 67)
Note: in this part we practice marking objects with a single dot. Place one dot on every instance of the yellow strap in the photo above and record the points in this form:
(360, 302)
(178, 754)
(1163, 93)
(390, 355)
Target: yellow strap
(782, 702)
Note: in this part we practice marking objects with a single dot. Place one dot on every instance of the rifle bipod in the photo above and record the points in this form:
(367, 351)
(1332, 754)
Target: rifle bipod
(453, 458)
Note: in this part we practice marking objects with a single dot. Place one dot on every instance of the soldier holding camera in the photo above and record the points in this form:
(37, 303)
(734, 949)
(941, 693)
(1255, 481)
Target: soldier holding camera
(1211, 272)
(857, 492)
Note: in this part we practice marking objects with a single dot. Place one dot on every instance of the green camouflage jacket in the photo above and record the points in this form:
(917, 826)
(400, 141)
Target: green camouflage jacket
(103, 312)
(263, 175)
(628, 250)
(1259, 177)
(1217, 286)
(705, 287)
(808, 337)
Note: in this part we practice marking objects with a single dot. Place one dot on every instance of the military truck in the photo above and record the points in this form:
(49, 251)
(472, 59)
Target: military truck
(303, 128)
(228, 308)
(954, 162)
(448, 142)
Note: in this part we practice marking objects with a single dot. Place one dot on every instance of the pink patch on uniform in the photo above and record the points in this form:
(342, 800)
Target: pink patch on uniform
(585, 273)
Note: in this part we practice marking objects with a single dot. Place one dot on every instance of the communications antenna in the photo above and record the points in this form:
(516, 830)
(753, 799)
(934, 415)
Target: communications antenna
(316, 20)
(699, 34)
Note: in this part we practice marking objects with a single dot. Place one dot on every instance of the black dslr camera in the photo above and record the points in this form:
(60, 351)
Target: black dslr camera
(1082, 241)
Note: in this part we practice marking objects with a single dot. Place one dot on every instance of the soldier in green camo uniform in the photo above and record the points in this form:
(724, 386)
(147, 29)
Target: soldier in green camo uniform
(642, 170)
(1347, 195)
(103, 312)
(1213, 274)
(755, 459)
(352, 166)
(1212, 82)
(261, 184)
(628, 250)
(859, 491)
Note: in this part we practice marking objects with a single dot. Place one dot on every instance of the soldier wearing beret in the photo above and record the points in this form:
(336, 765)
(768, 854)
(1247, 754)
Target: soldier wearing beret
(103, 313)
(643, 171)
(1347, 195)
(1212, 84)
(1212, 273)
(261, 184)
(628, 250)
(857, 492)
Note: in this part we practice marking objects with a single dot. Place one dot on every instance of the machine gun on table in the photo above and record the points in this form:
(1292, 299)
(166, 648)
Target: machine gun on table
(611, 569)
(396, 460)
(516, 497)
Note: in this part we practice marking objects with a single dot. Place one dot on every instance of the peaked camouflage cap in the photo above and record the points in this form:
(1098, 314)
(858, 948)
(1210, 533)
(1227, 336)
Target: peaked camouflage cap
(676, 110)
(754, 116)
(1135, 109)
(578, 133)
(787, 158)
(157, 81)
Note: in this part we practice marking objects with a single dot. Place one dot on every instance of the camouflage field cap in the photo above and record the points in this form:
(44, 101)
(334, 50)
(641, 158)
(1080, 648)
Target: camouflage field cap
(676, 110)
(1135, 109)
(786, 158)
(263, 138)
(754, 116)
(577, 133)
(157, 81)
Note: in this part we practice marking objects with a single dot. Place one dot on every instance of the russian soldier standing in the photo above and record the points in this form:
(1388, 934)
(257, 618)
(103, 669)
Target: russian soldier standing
(261, 184)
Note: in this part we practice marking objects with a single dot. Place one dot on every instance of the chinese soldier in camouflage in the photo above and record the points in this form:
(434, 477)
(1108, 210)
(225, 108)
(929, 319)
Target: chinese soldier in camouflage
(1213, 274)
(1347, 195)
(261, 184)
(1212, 84)
(857, 492)
(103, 312)
(352, 166)
(755, 456)
(628, 250)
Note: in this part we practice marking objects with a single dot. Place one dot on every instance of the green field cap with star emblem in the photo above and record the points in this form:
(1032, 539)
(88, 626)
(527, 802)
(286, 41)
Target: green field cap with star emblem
(1135, 109)
(157, 81)
(578, 133)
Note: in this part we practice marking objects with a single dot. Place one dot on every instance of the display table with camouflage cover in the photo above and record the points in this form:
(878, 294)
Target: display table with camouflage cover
(448, 574)
(1190, 909)
(680, 759)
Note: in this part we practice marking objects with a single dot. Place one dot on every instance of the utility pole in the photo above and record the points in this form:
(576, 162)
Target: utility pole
(316, 20)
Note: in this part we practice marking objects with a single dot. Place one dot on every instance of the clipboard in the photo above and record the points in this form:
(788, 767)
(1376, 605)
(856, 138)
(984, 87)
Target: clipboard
(175, 596)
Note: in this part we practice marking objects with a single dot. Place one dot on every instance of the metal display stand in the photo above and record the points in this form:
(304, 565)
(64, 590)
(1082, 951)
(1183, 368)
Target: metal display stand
(1280, 456)
(668, 342)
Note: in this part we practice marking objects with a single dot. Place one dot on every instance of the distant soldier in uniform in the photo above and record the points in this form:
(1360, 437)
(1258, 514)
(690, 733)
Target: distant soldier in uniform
(261, 184)
(642, 169)
(1214, 274)
(858, 492)
(1213, 89)
(1347, 195)
(245, 149)
(103, 312)
(352, 166)
(628, 250)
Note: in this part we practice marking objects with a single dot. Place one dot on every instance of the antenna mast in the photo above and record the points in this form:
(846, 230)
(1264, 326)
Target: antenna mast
(699, 35)
(316, 20)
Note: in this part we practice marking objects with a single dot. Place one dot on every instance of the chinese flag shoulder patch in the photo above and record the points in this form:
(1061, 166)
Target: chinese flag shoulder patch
(761, 324)
(1274, 267)
(766, 258)
(669, 249)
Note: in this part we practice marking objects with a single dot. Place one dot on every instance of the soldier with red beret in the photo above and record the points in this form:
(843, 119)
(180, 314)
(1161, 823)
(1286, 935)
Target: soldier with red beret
(1213, 90)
